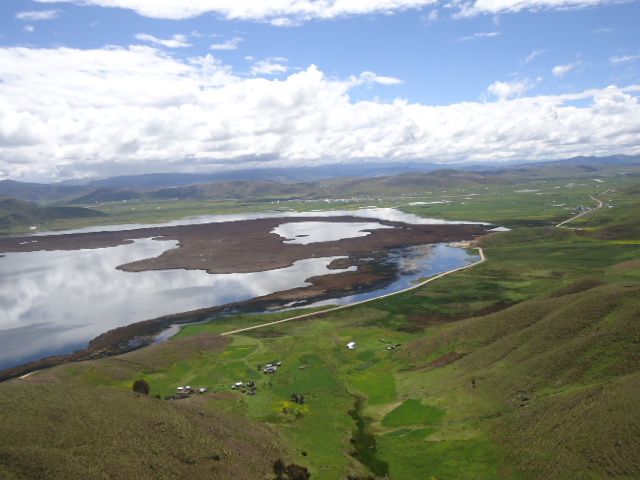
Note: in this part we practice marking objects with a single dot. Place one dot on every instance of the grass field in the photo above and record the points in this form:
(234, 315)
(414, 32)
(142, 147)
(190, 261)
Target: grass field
(523, 367)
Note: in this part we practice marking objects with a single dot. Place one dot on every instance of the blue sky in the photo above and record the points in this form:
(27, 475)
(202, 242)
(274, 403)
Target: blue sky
(110, 87)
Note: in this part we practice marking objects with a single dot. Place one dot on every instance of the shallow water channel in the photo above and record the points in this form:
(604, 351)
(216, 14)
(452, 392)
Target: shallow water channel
(55, 302)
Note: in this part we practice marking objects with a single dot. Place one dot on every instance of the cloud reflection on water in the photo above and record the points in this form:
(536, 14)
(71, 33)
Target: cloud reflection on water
(50, 300)
(378, 213)
(56, 302)
(304, 233)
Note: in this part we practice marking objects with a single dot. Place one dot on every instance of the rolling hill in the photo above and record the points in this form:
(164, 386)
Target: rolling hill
(18, 213)
(321, 181)
(41, 192)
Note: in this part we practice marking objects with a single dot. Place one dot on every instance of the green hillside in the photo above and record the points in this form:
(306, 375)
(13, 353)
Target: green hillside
(20, 215)
(67, 431)
(218, 190)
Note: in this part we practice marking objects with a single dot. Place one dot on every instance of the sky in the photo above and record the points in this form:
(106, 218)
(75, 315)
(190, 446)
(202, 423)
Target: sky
(99, 88)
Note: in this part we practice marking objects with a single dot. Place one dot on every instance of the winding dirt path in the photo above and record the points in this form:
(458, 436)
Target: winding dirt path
(342, 307)
(600, 204)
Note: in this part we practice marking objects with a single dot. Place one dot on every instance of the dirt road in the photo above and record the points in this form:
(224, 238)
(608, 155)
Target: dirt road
(342, 307)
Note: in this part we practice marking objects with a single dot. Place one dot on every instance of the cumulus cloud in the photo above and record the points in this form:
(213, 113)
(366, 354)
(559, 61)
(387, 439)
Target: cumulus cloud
(370, 77)
(231, 44)
(176, 41)
(480, 7)
(37, 15)
(281, 13)
(270, 66)
(504, 90)
(291, 12)
(562, 70)
(88, 112)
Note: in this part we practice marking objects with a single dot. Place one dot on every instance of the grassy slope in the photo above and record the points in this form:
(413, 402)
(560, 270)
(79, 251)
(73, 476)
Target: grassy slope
(544, 389)
(59, 431)
(64, 425)
(20, 215)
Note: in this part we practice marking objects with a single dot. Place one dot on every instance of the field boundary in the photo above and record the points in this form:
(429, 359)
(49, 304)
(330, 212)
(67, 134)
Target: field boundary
(342, 307)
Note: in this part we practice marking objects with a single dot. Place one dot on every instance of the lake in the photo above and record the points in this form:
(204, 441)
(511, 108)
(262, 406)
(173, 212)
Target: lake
(55, 302)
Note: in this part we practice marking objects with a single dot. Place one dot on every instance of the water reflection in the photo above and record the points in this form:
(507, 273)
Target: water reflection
(55, 302)
(413, 264)
(312, 232)
(389, 214)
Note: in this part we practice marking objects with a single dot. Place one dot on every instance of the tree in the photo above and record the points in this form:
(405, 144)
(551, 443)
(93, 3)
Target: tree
(278, 469)
(290, 472)
(141, 386)
(297, 472)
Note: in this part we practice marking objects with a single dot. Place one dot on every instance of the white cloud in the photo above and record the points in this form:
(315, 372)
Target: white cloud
(480, 7)
(370, 77)
(432, 17)
(292, 12)
(228, 45)
(281, 13)
(29, 28)
(532, 56)
(562, 70)
(37, 15)
(516, 88)
(176, 41)
(270, 66)
(113, 110)
(476, 36)
(624, 59)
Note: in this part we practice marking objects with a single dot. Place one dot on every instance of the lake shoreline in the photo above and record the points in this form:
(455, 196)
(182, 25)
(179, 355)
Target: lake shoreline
(253, 240)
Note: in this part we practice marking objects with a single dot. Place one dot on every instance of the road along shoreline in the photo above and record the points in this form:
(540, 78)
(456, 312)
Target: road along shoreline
(343, 307)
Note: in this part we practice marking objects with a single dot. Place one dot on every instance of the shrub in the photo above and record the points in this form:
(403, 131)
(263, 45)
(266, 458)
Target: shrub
(141, 386)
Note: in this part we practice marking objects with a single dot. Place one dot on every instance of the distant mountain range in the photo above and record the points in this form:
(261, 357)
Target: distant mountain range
(286, 175)
(366, 179)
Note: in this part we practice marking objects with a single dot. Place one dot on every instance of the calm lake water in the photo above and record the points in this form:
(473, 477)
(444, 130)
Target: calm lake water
(56, 302)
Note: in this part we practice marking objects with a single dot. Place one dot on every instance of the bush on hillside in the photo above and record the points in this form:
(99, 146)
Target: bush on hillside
(141, 386)
(290, 472)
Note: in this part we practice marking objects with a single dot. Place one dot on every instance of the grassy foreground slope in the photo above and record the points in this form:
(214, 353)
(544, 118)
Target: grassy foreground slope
(524, 367)
(59, 428)
(544, 389)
